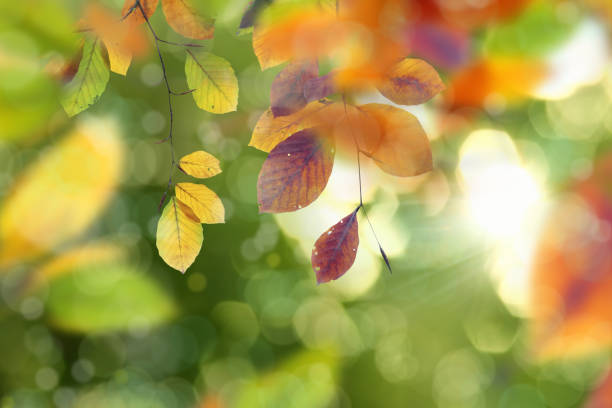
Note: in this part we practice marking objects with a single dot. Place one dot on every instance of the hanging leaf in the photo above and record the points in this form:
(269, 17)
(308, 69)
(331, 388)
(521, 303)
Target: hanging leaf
(411, 82)
(119, 58)
(355, 125)
(59, 196)
(179, 237)
(135, 17)
(89, 82)
(182, 16)
(287, 90)
(205, 204)
(404, 148)
(212, 77)
(446, 47)
(200, 164)
(320, 87)
(248, 18)
(335, 251)
(270, 130)
(295, 172)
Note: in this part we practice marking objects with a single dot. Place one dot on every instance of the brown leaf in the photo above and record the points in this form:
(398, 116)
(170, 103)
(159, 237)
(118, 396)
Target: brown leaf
(287, 90)
(404, 148)
(319, 87)
(135, 17)
(335, 251)
(295, 172)
(185, 20)
(411, 82)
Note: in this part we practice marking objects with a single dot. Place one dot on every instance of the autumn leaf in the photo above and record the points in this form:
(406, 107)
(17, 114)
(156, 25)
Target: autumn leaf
(248, 18)
(89, 82)
(179, 237)
(411, 82)
(57, 197)
(135, 17)
(182, 16)
(214, 81)
(601, 397)
(320, 87)
(443, 45)
(200, 164)
(335, 250)
(287, 90)
(404, 148)
(295, 172)
(204, 202)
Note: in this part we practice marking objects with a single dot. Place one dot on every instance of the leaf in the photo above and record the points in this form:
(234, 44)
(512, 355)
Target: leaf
(295, 172)
(56, 198)
(89, 82)
(204, 203)
(446, 47)
(179, 237)
(185, 20)
(287, 90)
(335, 251)
(270, 130)
(404, 148)
(212, 77)
(320, 87)
(601, 396)
(248, 18)
(118, 58)
(107, 297)
(135, 17)
(411, 82)
(200, 164)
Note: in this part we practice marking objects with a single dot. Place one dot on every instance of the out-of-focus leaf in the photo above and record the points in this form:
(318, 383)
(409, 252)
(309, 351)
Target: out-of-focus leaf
(444, 46)
(255, 6)
(214, 81)
(179, 236)
(205, 204)
(293, 384)
(295, 172)
(411, 82)
(59, 196)
(200, 164)
(601, 397)
(185, 20)
(320, 87)
(107, 298)
(404, 148)
(135, 17)
(89, 82)
(335, 250)
(287, 90)
(355, 125)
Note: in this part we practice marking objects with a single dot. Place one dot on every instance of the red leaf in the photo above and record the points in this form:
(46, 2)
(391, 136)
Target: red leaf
(320, 87)
(601, 397)
(295, 172)
(445, 47)
(287, 91)
(335, 251)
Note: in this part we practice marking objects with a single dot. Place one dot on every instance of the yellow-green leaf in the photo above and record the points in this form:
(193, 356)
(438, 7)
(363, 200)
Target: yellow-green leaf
(58, 196)
(200, 164)
(205, 204)
(214, 81)
(89, 82)
(179, 238)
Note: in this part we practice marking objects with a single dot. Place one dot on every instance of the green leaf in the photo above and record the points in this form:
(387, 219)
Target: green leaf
(89, 82)
(214, 81)
(107, 298)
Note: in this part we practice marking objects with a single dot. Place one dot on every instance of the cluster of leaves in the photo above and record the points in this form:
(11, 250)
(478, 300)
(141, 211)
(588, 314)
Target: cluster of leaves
(303, 127)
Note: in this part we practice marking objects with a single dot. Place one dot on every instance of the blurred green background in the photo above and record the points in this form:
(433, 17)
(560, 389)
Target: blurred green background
(247, 326)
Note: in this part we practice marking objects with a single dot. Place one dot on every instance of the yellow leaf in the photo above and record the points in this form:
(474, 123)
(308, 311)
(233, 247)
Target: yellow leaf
(185, 20)
(212, 77)
(204, 203)
(60, 195)
(200, 164)
(119, 58)
(179, 238)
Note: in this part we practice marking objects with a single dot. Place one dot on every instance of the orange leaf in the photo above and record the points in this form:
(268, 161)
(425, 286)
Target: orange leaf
(287, 90)
(295, 172)
(335, 251)
(185, 20)
(135, 17)
(602, 396)
(404, 148)
(411, 82)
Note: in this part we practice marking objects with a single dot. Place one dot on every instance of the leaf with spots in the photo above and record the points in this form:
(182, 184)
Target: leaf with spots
(335, 251)
(185, 19)
(287, 90)
(89, 82)
(179, 236)
(200, 164)
(295, 172)
(214, 81)
(205, 203)
(411, 82)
